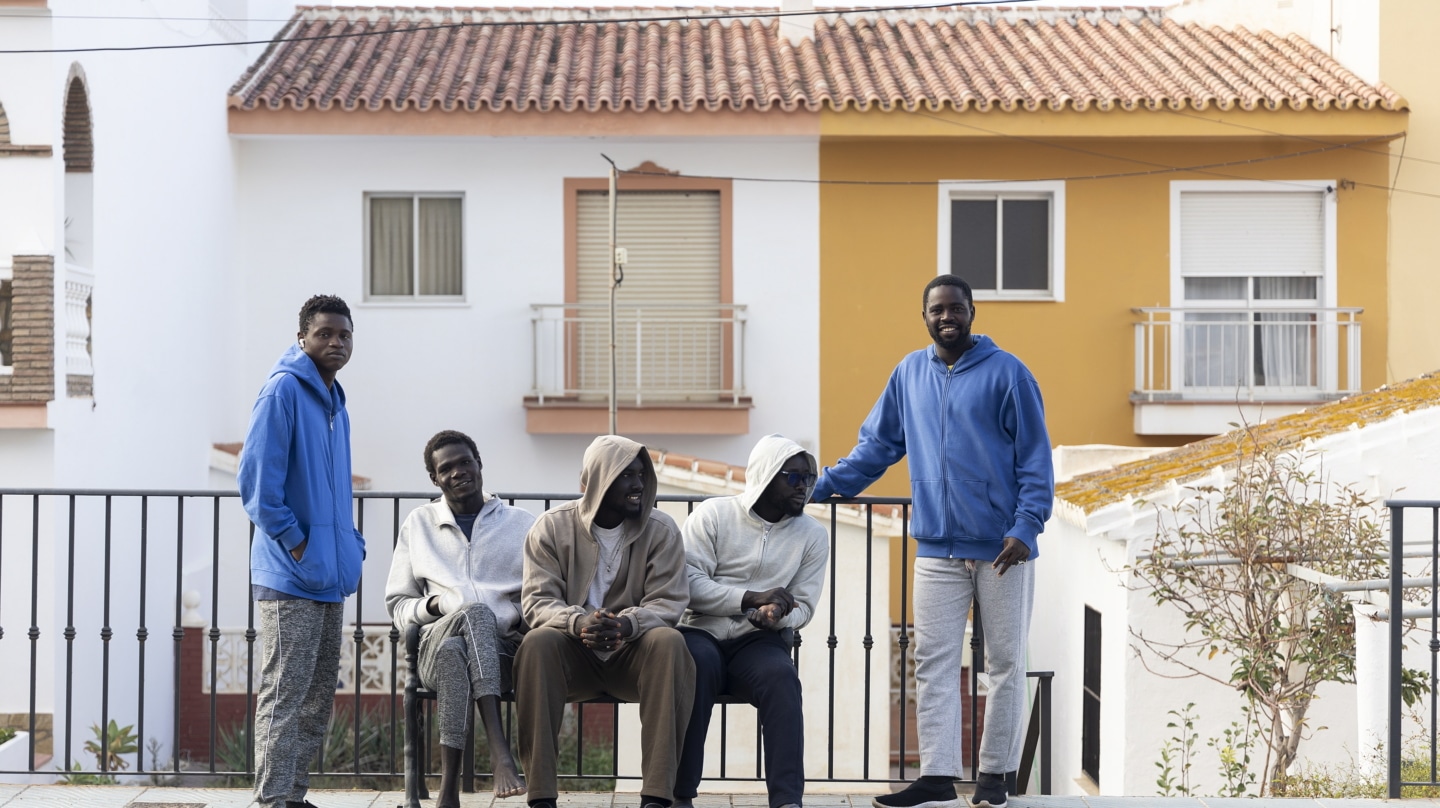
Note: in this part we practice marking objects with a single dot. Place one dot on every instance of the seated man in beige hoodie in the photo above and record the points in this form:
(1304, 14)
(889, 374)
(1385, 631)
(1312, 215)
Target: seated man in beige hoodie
(604, 588)
(756, 564)
(456, 571)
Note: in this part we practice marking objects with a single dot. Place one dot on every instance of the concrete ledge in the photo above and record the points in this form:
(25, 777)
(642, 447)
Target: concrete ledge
(571, 417)
(24, 416)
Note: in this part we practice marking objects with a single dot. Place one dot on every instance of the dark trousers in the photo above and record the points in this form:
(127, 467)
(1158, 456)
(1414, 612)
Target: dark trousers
(755, 667)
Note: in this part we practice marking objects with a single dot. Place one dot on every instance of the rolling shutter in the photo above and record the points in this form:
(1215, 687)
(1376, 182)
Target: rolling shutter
(1249, 233)
(673, 241)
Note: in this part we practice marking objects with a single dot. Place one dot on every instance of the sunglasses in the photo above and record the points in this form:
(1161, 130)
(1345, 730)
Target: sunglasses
(795, 478)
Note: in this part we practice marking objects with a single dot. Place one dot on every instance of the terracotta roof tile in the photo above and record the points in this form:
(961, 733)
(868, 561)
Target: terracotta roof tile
(956, 58)
(1128, 481)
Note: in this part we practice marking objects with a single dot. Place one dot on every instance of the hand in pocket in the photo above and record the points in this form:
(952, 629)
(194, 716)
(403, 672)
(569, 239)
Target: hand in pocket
(299, 551)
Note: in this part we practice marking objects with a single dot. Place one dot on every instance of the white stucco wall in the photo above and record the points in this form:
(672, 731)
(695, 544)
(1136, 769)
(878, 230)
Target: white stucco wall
(419, 368)
(164, 332)
(1397, 457)
(1348, 30)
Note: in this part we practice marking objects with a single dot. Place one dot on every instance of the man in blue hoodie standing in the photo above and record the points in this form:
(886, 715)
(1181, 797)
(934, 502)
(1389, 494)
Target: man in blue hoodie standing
(306, 555)
(970, 418)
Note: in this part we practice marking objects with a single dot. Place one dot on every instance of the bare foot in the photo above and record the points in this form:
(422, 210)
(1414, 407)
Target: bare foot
(508, 782)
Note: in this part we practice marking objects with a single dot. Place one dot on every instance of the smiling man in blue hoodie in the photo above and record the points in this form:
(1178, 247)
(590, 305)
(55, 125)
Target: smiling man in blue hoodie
(306, 555)
(970, 418)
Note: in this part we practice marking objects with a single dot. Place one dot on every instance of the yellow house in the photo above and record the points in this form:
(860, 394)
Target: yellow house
(1177, 227)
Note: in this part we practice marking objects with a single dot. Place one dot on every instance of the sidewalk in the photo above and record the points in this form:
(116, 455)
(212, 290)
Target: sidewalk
(16, 796)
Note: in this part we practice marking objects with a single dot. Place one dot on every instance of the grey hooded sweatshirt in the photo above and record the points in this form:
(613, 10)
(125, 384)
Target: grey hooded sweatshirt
(561, 553)
(728, 550)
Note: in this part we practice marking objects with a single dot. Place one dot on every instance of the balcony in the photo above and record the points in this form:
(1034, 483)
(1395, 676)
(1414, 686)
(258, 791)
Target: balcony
(1200, 369)
(679, 369)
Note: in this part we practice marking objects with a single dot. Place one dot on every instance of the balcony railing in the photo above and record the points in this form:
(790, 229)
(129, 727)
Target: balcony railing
(1247, 354)
(79, 282)
(129, 605)
(665, 352)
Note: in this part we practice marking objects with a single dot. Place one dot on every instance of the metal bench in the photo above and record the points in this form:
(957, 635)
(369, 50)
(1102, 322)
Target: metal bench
(415, 745)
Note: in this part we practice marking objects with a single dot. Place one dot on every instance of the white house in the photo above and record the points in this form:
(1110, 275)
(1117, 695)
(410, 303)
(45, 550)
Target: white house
(157, 240)
(1384, 443)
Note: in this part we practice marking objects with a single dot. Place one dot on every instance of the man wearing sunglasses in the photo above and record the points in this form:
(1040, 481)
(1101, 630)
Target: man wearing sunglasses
(756, 567)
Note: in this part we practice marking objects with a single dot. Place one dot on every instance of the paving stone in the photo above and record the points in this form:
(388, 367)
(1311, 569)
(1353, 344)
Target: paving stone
(75, 797)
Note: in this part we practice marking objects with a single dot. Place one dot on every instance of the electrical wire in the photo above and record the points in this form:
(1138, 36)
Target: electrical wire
(742, 15)
(1161, 168)
(1265, 131)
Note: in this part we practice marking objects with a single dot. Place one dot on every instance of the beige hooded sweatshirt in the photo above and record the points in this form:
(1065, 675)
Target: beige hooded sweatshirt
(730, 550)
(561, 553)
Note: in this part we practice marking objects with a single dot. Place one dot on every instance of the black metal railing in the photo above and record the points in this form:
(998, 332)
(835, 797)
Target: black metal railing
(1422, 575)
(130, 562)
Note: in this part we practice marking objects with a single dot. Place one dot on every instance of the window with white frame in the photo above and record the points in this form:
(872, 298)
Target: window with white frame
(414, 246)
(1007, 240)
(1253, 274)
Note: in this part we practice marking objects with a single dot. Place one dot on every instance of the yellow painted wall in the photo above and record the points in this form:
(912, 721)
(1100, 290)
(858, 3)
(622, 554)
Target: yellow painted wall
(1408, 64)
(878, 249)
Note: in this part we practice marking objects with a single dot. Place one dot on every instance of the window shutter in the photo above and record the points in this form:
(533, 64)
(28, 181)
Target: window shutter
(1248, 233)
(673, 244)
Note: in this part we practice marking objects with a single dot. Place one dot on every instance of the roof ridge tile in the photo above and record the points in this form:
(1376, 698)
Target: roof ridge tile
(599, 59)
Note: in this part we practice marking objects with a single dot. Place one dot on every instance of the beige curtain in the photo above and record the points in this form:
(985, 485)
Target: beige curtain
(392, 246)
(440, 247)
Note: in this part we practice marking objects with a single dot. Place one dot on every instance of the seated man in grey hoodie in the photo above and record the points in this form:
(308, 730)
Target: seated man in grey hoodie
(756, 566)
(456, 571)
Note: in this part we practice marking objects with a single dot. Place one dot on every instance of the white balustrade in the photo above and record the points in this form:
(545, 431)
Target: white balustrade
(79, 282)
(232, 662)
(666, 352)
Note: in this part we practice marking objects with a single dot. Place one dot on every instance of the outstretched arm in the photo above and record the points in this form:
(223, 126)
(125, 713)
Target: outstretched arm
(881, 445)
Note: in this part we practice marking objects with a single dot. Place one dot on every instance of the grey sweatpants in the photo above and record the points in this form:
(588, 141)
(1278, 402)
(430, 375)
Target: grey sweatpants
(460, 660)
(943, 590)
(300, 665)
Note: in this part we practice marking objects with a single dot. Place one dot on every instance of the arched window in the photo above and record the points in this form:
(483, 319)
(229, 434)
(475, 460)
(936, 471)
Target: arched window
(79, 146)
(79, 155)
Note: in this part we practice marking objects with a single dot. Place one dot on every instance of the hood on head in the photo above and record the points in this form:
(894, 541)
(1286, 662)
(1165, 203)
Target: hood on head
(605, 458)
(769, 454)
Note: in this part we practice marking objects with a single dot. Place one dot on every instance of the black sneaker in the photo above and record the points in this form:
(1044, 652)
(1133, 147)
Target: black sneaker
(989, 792)
(921, 794)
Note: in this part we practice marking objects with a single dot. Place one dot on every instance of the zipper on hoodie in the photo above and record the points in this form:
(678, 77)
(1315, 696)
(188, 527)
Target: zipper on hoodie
(764, 541)
(334, 495)
(944, 476)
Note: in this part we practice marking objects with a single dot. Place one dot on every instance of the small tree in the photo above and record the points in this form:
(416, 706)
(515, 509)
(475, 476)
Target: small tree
(1227, 557)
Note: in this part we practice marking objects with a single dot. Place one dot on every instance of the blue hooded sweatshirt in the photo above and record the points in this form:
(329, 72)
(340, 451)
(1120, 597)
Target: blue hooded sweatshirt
(980, 466)
(295, 484)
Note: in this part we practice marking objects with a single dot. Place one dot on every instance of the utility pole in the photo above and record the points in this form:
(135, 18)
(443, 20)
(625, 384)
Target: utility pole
(617, 275)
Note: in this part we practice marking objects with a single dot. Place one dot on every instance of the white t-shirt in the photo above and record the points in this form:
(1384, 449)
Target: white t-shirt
(607, 566)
